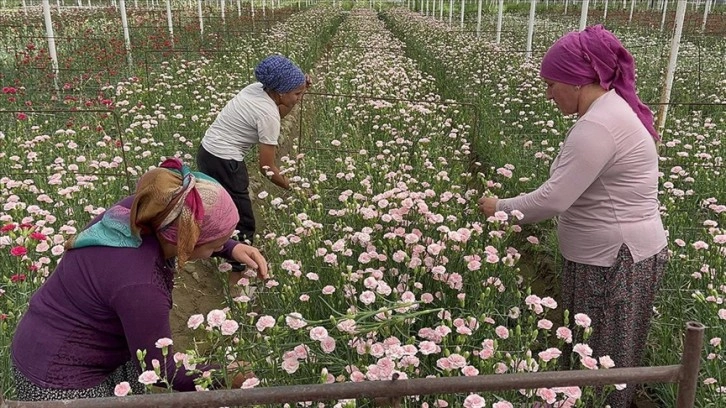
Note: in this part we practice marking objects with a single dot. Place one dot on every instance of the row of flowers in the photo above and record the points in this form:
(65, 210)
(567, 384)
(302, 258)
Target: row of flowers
(60, 170)
(691, 156)
(386, 267)
(383, 267)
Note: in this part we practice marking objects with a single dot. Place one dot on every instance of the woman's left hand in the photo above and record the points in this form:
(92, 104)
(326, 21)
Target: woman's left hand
(488, 205)
(308, 81)
(251, 257)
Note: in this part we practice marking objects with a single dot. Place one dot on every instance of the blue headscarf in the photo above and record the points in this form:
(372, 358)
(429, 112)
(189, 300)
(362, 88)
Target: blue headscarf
(279, 74)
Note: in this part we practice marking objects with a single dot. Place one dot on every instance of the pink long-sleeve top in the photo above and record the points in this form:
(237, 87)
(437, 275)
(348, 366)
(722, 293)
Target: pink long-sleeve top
(603, 185)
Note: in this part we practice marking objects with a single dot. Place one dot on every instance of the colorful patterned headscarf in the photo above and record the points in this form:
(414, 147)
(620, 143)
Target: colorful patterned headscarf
(279, 74)
(595, 55)
(186, 208)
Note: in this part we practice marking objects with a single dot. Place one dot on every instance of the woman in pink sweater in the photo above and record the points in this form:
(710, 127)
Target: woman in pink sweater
(603, 186)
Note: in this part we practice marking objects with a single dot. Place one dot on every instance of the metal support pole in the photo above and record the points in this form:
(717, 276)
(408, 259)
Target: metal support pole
(478, 19)
(670, 72)
(50, 37)
(127, 37)
(169, 22)
(451, 11)
(499, 21)
(583, 14)
(463, 8)
(690, 364)
(201, 18)
(705, 15)
(530, 27)
(632, 8)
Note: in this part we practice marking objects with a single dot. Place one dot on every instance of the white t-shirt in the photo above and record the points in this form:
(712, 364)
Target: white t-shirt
(251, 117)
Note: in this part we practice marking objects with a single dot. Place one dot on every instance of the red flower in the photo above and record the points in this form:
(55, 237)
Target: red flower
(26, 226)
(18, 277)
(18, 251)
(38, 236)
(9, 90)
(8, 227)
(22, 116)
(3, 316)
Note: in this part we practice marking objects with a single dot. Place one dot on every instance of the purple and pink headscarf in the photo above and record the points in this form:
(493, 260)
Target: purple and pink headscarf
(186, 208)
(595, 55)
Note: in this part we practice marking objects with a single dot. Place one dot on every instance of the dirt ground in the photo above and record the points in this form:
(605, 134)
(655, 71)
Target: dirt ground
(197, 290)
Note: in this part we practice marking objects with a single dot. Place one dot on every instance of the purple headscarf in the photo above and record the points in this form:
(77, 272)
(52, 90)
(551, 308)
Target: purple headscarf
(596, 55)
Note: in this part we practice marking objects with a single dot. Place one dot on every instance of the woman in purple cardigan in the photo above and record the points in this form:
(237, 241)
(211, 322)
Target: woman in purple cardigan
(111, 293)
(603, 185)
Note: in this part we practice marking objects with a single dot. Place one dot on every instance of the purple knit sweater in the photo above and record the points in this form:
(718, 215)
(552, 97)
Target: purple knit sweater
(97, 308)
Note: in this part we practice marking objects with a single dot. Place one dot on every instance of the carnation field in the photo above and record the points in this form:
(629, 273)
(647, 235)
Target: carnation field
(381, 264)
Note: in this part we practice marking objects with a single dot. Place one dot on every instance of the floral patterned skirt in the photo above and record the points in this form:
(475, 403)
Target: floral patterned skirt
(25, 390)
(619, 300)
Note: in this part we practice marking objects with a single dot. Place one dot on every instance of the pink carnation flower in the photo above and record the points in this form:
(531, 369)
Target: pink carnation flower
(251, 383)
(195, 321)
(122, 389)
(502, 332)
(295, 321)
(318, 333)
(265, 322)
(229, 327)
(474, 401)
(582, 320)
(148, 377)
(163, 342)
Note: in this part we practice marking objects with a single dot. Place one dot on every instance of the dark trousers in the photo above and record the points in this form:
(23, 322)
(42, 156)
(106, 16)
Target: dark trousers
(232, 175)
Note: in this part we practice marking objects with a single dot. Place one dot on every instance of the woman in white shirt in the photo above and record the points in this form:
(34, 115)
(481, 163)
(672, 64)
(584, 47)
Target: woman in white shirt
(603, 185)
(252, 118)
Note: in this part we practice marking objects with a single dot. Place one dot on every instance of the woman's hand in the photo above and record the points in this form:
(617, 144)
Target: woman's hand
(268, 167)
(251, 257)
(488, 205)
(308, 81)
